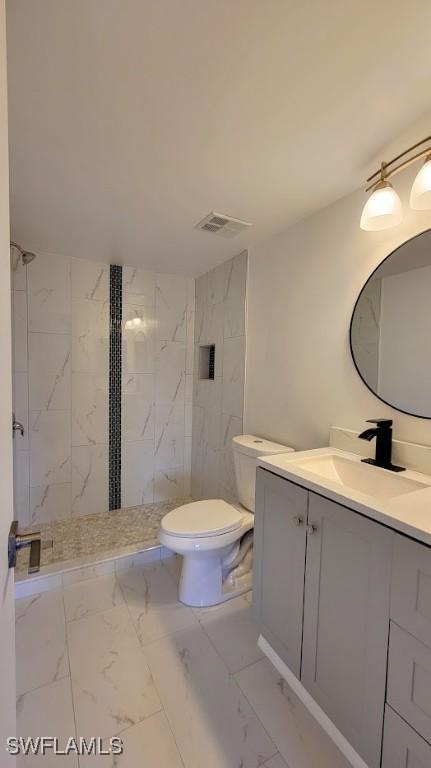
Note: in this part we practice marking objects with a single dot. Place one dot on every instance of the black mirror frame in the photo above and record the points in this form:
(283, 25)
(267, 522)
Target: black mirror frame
(391, 405)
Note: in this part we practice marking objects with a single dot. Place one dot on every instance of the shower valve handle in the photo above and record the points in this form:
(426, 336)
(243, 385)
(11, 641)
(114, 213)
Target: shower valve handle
(17, 541)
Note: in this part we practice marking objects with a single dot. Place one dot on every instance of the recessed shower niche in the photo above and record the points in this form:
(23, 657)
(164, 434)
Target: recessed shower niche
(206, 361)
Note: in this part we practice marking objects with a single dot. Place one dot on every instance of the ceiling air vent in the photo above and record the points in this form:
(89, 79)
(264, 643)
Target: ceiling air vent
(222, 225)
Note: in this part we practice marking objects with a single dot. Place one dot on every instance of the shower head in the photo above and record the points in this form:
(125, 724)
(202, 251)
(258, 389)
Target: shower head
(26, 256)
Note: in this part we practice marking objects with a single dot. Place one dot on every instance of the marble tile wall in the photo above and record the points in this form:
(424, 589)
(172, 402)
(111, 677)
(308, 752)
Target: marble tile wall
(158, 331)
(61, 366)
(218, 404)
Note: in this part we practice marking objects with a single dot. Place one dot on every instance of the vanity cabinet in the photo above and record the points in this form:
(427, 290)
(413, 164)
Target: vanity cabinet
(346, 619)
(402, 746)
(322, 576)
(279, 562)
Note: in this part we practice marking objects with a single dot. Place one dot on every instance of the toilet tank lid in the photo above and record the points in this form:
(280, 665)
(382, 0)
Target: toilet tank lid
(255, 446)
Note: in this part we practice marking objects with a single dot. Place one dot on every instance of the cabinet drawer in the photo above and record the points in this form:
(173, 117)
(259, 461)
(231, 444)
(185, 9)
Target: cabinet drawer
(402, 746)
(409, 680)
(411, 588)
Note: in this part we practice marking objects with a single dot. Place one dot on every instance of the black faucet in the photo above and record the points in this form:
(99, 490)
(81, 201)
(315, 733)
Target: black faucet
(383, 434)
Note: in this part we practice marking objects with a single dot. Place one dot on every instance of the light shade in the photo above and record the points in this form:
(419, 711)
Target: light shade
(383, 208)
(420, 196)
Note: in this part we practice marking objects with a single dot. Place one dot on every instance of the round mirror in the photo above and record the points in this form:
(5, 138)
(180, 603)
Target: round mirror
(390, 330)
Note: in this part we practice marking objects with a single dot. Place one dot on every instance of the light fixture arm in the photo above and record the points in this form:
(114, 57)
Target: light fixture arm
(386, 171)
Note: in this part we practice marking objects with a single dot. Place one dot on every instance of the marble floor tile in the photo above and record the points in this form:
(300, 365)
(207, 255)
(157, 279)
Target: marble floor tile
(41, 650)
(212, 722)
(231, 629)
(152, 598)
(299, 738)
(47, 711)
(92, 596)
(276, 762)
(89, 572)
(149, 744)
(112, 685)
(173, 565)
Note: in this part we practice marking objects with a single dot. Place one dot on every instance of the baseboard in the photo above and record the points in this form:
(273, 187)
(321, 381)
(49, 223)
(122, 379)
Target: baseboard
(328, 726)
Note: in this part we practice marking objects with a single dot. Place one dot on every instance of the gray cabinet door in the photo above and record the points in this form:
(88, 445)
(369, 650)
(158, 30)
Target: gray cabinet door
(279, 564)
(402, 746)
(409, 680)
(346, 621)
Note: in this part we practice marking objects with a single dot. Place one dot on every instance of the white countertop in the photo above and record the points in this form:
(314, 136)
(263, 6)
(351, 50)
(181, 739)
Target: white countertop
(409, 513)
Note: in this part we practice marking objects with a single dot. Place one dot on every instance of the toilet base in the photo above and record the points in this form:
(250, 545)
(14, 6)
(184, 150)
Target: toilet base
(201, 584)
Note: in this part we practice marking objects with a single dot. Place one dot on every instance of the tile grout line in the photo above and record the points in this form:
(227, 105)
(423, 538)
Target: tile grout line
(125, 604)
(152, 676)
(232, 677)
(40, 687)
(255, 713)
(162, 708)
(70, 669)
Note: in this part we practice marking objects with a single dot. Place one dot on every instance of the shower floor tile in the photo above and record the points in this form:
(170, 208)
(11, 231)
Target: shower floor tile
(104, 532)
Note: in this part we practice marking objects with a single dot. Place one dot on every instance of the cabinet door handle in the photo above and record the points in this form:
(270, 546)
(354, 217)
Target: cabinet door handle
(297, 520)
(311, 529)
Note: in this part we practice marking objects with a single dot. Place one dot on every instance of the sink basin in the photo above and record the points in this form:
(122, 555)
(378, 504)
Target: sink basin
(353, 474)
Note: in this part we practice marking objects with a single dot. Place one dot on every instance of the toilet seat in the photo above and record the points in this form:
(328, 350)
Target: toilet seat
(202, 519)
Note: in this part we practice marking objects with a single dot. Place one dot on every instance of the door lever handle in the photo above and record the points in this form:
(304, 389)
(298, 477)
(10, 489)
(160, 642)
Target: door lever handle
(17, 541)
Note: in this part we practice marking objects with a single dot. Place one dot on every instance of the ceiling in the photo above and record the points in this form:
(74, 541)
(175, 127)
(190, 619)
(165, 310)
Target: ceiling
(131, 120)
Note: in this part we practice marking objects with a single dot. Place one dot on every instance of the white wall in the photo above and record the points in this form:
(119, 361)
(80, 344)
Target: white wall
(302, 287)
(405, 340)
(7, 614)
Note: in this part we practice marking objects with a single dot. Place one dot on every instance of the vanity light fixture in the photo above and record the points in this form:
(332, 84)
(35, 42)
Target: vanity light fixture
(383, 208)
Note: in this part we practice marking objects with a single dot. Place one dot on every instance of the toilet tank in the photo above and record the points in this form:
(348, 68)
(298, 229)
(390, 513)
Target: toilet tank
(246, 450)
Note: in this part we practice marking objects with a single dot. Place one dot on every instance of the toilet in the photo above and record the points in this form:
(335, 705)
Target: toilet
(211, 534)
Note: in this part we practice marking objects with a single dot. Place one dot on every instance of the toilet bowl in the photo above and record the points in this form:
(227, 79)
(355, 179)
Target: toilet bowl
(208, 533)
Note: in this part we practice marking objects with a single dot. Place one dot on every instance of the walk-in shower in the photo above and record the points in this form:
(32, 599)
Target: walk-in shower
(105, 385)
(103, 449)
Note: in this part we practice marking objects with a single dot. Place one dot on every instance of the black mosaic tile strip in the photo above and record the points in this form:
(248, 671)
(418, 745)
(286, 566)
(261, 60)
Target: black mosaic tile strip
(115, 310)
(211, 361)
